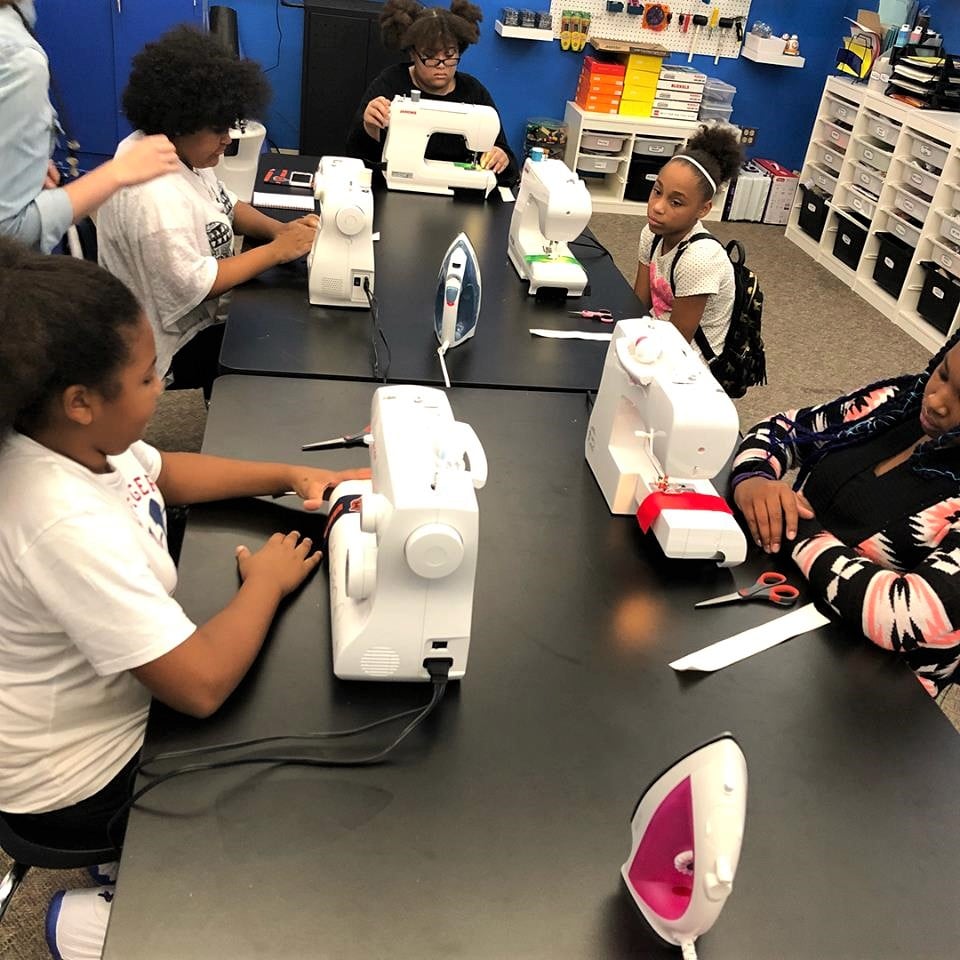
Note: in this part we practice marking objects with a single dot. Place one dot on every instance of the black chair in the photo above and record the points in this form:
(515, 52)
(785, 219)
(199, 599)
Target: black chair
(26, 854)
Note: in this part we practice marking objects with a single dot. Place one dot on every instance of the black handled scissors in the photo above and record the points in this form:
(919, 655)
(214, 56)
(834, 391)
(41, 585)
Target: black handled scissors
(771, 587)
(364, 437)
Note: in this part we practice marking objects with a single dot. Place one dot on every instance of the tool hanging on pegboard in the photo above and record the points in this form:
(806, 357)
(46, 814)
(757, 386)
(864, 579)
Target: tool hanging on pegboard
(679, 26)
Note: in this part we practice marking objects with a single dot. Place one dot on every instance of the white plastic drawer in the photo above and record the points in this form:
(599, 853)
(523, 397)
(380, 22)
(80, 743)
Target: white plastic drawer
(826, 181)
(835, 135)
(950, 227)
(872, 155)
(596, 163)
(883, 128)
(867, 179)
(829, 157)
(602, 142)
(929, 151)
(912, 203)
(841, 110)
(947, 255)
(655, 147)
(907, 232)
(861, 203)
(921, 181)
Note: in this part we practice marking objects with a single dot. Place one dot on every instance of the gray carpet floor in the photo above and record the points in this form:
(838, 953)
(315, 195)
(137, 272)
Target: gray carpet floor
(821, 340)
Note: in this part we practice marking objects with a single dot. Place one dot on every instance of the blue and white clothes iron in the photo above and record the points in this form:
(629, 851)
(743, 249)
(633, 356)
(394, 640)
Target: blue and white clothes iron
(687, 829)
(457, 307)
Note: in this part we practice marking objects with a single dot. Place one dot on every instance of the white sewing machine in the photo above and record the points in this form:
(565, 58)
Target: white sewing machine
(661, 426)
(553, 206)
(402, 561)
(342, 255)
(413, 121)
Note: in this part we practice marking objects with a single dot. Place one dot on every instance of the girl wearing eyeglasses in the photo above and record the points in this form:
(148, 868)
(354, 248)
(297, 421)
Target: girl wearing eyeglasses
(435, 40)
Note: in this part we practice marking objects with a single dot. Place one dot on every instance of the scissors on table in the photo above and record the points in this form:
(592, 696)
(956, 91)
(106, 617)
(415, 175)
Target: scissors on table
(363, 438)
(604, 316)
(771, 587)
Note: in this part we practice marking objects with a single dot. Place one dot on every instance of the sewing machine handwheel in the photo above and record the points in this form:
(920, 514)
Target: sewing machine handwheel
(361, 571)
(434, 550)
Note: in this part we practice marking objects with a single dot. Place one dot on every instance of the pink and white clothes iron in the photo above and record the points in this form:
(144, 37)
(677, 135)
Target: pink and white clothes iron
(687, 829)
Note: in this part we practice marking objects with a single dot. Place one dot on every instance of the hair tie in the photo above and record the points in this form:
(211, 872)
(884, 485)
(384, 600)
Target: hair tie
(699, 166)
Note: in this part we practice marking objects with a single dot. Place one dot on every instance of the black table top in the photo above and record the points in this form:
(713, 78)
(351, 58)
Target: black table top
(499, 828)
(272, 329)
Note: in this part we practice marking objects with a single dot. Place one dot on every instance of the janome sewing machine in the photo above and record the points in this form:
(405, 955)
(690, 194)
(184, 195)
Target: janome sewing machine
(553, 207)
(413, 121)
(402, 546)
(660, 428)
(341, 262)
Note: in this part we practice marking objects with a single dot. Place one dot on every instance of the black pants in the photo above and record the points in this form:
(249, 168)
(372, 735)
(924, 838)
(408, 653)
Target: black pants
(83, 825)
(197, 364)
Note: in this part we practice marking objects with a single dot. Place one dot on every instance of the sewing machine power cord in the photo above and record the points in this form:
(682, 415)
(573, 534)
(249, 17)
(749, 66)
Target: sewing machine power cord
(437, 667)
(380, 371)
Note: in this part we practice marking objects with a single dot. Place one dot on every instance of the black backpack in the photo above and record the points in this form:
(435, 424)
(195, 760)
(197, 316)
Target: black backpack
(742, 362)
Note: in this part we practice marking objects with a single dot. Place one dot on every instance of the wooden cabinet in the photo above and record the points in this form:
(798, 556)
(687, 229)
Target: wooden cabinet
(614, 154)
(90, 44)
(342, 54)
(879, 206)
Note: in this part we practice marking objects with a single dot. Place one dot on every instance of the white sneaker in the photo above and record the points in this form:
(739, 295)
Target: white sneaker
(104, 873)
(77, 923)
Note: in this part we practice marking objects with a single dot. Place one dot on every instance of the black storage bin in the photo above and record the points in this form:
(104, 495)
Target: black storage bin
(813, 211)
(939, 298)
(893, 261)
(851, 236)
(641, 178)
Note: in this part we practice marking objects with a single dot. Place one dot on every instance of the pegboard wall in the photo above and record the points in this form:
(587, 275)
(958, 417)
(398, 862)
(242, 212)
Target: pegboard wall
(629, 27)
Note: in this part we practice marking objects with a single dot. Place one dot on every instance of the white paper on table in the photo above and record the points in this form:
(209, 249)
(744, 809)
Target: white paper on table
(571, 334)
(506, 194)
(746, 644)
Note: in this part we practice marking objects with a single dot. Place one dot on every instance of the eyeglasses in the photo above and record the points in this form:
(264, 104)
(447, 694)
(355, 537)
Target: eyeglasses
(437, 61)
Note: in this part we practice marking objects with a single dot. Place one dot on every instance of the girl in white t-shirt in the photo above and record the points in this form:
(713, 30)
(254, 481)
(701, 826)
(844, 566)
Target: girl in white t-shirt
(89, 630)
(702, 292)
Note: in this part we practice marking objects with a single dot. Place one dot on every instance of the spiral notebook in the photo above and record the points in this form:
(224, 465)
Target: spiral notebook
(283, 201)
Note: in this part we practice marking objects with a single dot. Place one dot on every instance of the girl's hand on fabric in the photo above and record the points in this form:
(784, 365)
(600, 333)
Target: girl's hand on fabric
(377, 113)
(148, 158)
(294, 239)
(52, 178)
(771, 510)
(283, 562)
(495, 160)
(314, 485)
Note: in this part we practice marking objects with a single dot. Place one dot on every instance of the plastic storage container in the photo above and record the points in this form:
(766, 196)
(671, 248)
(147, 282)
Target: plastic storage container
(909, 233)
(813, 211)
(947, 256)
(714, 111)
(929, 152)
(597, 163)
(663, 147)
(718, 93)
(641, 178)
(939, 297)
(602, 142)
(848, 245)
(893, 262)
(549, 135)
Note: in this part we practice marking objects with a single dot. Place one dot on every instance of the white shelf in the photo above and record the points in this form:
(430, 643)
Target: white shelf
(608, 194)
(774, 59)
(523, 33)
(911, 125)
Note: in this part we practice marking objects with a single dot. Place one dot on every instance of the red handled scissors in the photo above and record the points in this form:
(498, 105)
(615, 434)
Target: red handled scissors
(771, 587)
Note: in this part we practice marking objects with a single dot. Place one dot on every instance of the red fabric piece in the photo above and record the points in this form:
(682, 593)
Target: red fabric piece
(654, 503)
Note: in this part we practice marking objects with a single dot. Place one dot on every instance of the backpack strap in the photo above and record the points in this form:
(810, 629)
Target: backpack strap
(683, 246)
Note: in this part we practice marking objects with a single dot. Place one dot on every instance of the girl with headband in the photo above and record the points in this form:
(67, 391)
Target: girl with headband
(702, 290)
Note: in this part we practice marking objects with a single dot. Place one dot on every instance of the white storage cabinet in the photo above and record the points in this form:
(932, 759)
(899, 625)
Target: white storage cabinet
(898, 168)
(603, 144)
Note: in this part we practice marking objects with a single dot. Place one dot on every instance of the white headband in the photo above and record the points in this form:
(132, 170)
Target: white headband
(700, 167)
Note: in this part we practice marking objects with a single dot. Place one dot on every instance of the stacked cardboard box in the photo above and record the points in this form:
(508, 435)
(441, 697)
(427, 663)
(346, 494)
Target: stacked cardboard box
(678, 93)
(640, 84)
(600, 86)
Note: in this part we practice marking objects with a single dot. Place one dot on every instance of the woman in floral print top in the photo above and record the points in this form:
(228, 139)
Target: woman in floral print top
(873, 518)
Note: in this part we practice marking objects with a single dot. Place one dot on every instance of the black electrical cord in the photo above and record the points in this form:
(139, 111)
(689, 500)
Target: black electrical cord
(279, 39)
(380, 370)
(438, 668)
(592, 242)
